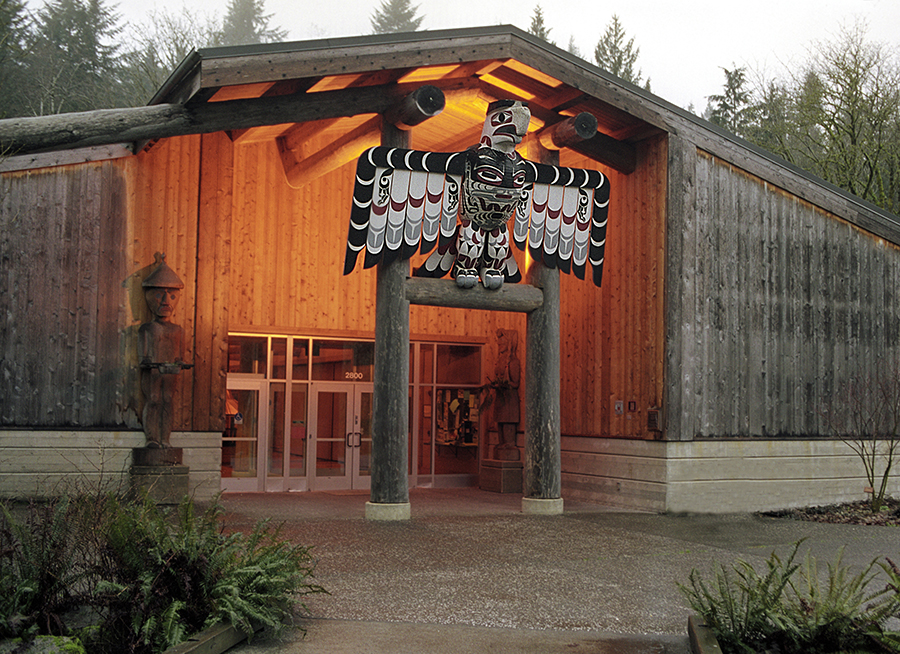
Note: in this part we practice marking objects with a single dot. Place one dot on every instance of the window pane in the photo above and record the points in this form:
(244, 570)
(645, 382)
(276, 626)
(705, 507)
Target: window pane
(426, 363)
(298, 430)
(456, 440)
(279, 358)
(343, 360)
(331, 433)
(426, 441)
(240, 437)
(276, 429)
(247, 354)
(459, 364)
(301, 359)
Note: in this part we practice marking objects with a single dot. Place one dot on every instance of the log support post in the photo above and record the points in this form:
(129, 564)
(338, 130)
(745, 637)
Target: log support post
(389, 499)
(543, 464)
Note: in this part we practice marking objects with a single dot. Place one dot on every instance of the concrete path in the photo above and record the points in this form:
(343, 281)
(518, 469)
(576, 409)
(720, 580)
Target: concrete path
(470, 573)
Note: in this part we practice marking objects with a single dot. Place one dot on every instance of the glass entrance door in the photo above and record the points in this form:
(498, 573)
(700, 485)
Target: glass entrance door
(264, 442)
(246, 419)
(340, 439)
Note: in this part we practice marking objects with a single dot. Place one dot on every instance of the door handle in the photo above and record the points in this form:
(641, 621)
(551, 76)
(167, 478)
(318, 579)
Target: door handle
(354, 439)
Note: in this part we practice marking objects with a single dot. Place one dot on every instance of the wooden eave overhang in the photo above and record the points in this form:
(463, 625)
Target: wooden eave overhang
(471, 66)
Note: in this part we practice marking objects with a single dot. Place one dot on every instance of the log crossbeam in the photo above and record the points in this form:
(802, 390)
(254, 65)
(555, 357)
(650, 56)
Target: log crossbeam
(520, 298)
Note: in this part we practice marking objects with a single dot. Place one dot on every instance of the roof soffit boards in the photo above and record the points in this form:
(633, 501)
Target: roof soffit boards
(489, 63)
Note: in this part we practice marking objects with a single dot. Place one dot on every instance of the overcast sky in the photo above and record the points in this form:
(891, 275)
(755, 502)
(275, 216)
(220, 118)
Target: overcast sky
(683, 45)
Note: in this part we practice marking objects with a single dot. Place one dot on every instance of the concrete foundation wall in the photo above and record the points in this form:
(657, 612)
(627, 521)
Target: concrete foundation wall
(628, 474)
(716, 476)
(724, 476)
(42, 463)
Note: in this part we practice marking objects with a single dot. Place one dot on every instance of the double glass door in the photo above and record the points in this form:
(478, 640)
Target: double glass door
(318, 436)
(340, 435)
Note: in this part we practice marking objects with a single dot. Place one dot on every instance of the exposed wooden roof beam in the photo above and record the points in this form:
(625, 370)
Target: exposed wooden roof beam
(299, 171)
(618, 155)
(77, 130)
(569, 132)
(423, 103)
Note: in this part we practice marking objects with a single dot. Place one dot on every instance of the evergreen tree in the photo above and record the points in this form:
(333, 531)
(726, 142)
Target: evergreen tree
(731, 108)
(246, 22)
(573, 48)
(538, 28)
(162, 44)
(837, 116)
(395, 16)
(617, 55)
(13, 27)
(71, 63)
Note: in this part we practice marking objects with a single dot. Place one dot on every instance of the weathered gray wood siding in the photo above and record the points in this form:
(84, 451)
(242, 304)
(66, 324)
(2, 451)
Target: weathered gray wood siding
(772, 302)
(62, 261)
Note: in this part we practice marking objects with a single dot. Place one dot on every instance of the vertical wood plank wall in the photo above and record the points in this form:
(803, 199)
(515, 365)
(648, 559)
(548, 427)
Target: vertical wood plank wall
(779, 303)
(256, 253)
(614, 337)
(163, 208)
(63, 329)
(288, 248)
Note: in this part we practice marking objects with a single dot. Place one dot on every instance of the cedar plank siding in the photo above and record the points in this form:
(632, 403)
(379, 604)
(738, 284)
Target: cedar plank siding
(613, 338)
(287, 262)
(63, 337)
(163, 209)
(780, 302)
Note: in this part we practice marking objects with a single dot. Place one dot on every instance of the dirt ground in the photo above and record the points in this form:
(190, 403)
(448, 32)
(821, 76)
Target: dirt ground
(851, 513)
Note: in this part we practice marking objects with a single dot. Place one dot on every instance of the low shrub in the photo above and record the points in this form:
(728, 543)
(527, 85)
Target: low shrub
(147, 577)
(793, 609)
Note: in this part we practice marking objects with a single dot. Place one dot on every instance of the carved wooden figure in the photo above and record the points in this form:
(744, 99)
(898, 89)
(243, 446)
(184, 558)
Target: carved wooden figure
(507, 376)
(161, 352)
(460, 203)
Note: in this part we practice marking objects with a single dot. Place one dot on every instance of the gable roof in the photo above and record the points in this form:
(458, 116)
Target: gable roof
(472, 67)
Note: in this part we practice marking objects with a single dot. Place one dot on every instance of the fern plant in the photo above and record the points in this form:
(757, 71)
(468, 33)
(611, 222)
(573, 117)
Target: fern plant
(152, 576)
(837, 613)
(742, 607)
(36, 577)
(793, 609)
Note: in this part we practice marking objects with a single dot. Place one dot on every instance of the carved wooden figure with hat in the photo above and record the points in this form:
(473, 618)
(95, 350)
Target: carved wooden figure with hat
(161, 352)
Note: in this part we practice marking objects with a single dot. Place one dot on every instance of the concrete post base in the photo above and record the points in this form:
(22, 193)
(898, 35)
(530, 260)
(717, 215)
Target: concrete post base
(164, 485)
(538, 506)
(379, 511)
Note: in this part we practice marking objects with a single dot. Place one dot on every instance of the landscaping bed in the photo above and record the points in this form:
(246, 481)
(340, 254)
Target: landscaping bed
(849, 513)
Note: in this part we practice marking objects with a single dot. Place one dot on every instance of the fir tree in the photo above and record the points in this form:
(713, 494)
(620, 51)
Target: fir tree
(730, 109)
(617, 55)
(246, 22)
(12, 56)
(395, 16)
(72, 58)
(538, 28)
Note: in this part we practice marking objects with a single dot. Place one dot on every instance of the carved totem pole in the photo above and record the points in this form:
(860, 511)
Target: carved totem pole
(459, 207)
(461, 202)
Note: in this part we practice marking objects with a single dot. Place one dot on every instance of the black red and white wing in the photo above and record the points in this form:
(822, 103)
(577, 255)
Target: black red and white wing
(403, 200)
(562, 219)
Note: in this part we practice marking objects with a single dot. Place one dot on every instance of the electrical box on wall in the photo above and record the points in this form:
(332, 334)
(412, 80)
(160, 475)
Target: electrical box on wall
(654, 420)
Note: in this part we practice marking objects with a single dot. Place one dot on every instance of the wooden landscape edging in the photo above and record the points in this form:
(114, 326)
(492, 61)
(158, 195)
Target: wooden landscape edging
(214, 640)
(702, 639)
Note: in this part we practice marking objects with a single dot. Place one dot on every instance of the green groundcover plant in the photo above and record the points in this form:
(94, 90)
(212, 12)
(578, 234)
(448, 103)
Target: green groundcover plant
(124, 575)
(795, 608)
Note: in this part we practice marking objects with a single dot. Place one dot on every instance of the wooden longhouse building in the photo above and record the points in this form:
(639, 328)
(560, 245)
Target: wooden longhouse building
(738, 291)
